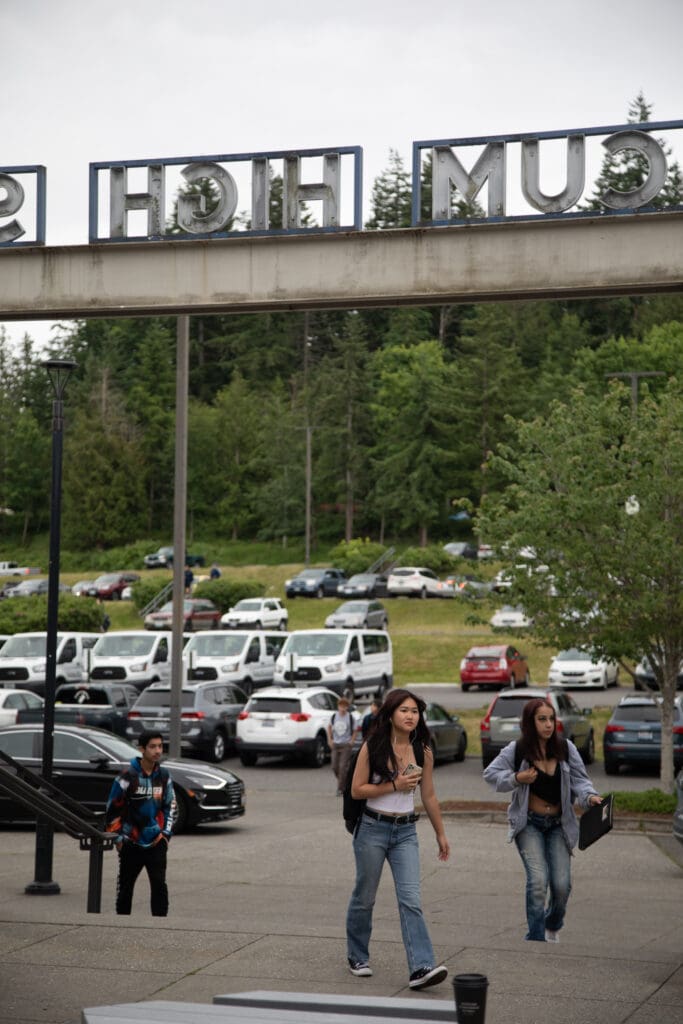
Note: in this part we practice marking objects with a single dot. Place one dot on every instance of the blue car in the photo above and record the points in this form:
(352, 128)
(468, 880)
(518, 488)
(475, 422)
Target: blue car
(633, 734)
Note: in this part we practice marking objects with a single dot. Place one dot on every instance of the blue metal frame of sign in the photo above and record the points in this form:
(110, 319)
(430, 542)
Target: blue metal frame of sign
(191, 213)
(14, 200)
(490, 167)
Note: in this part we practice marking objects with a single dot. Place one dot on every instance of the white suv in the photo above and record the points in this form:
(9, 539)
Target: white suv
(415, 581)
(257, 613)
(286, 720)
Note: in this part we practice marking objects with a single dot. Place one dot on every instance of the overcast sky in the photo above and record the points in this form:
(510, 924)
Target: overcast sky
(85, 80)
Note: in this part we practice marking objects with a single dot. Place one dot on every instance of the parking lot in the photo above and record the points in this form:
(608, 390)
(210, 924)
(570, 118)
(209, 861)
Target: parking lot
(260, 903)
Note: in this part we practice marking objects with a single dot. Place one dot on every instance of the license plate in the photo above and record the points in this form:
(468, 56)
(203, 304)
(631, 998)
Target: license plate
(644, 735)
(160, 724)
(509, 726)
(267, 723)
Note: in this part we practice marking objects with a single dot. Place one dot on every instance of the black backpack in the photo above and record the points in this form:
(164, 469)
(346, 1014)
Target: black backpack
(352, 809)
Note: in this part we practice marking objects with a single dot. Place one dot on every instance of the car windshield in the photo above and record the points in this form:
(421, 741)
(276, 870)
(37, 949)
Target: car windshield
(325, 645)
(216, 646)
(637, 713)
(352, 606)
(248, 606)
(362, 578)
(573, 654)
(104, 581)
(281, 705)
(167, 609)
(310, 574)
(484, 654)
(151, 698)
(24, 647)
(122, 646)
(509, 707)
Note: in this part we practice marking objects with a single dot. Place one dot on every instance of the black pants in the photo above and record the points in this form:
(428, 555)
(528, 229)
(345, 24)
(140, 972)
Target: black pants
(132, 860)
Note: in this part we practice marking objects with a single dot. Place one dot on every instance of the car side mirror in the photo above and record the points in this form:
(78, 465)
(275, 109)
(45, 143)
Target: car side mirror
(99, 761)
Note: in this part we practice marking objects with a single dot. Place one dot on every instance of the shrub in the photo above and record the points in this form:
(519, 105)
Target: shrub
(356, 555)
(433, 557)
(226, 593)
(144, 590)
(29, 614)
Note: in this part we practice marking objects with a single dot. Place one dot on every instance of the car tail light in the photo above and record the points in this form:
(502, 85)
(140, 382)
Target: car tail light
(193, 716)
(678, 730)
(242, 715)
(299, 716)
(614, 727)
(485, 724)
(133, 714)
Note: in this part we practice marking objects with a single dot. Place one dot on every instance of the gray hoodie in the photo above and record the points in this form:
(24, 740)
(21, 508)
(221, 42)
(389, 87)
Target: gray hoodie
(574, 781)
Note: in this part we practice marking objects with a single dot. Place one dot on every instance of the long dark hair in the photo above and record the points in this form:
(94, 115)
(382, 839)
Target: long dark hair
(380, 750)
(556, 746)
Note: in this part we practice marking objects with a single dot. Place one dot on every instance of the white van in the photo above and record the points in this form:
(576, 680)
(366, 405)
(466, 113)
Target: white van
(354, 662)
(23, 659)
(245, 657)
(139, 657)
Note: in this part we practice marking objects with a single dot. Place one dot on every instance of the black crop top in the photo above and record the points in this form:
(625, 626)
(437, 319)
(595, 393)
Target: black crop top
(547, 787)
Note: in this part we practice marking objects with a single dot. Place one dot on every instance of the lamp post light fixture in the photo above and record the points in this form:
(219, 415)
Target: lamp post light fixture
(58, 371)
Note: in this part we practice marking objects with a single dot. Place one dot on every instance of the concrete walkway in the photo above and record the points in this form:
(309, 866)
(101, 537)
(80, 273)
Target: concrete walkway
(260, 905)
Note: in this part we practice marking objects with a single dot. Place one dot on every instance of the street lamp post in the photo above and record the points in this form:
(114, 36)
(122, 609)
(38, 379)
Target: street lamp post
(58, 371)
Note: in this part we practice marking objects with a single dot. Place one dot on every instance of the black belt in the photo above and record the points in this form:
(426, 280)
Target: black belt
(393, 819)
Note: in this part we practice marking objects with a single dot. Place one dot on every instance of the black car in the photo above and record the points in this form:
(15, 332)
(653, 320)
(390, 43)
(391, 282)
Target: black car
(448, 736)
(86, 761)
(208, 716)
(315, 583)
(364, 584)
(633, 734)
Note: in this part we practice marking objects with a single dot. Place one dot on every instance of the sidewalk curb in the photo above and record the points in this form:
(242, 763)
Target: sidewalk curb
(622, 823)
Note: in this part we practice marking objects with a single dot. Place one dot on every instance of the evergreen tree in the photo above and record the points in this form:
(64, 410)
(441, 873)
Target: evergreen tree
(391, 196)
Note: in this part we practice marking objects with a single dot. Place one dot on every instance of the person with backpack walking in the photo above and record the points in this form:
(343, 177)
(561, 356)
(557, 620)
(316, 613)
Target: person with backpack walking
(141, 811)
(545, 774)
(341, 733)
(395, 760)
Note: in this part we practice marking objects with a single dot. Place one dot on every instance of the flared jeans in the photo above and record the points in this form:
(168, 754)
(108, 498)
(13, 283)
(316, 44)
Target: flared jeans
(373, 843)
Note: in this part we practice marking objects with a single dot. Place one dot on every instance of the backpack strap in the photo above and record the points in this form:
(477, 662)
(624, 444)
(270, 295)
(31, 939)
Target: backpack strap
(518, 756)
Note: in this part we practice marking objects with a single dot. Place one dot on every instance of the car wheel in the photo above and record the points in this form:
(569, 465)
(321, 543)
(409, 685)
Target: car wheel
(464, 687)
(603, 681)
(616, 677)
(423, 594)
(248, 758)
(611, 766)
(258, 624)
(513, 681)
(182, 811)
(365, 625)
(282, 625)
(349, 691)
(385, 624)
(320, 592)
(527, 680)
(318, 755)
(462, 747)
(216, 749)
(587, 752)
(115, 596)
(248, 686)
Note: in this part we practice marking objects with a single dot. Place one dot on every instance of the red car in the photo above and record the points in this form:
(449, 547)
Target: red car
(109, 586)
(198, 613)
(495, 665)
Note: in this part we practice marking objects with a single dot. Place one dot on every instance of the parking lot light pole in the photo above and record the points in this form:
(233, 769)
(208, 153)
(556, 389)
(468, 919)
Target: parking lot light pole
(58, 370)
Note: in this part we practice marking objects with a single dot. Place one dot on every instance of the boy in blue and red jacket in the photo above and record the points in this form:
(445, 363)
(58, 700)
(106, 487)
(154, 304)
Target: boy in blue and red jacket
(141, 810)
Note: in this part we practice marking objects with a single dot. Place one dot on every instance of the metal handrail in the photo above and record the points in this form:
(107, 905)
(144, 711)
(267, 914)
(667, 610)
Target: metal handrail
(47, 800)
(385, 557)
(152, 605)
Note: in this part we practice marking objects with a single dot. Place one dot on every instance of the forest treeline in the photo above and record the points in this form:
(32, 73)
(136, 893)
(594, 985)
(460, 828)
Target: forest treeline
(402, 407)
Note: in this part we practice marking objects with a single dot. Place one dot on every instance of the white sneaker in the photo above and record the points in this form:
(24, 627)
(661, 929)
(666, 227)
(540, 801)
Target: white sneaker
(551, 936)
(360, 968)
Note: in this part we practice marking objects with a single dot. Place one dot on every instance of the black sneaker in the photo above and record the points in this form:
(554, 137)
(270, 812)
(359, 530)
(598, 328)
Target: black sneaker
(360, 968)
(427, 976)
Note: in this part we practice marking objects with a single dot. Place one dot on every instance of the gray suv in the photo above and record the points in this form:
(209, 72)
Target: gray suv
(207, 718)
(501, 723)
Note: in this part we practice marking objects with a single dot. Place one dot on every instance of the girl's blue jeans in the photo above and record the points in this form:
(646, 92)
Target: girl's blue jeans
(373, 843)
(546, 857)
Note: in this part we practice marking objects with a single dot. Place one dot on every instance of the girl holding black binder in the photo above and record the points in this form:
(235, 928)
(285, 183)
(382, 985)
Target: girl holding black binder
(545, 774)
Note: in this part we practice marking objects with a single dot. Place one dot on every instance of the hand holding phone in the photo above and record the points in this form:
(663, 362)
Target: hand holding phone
(412, 769)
